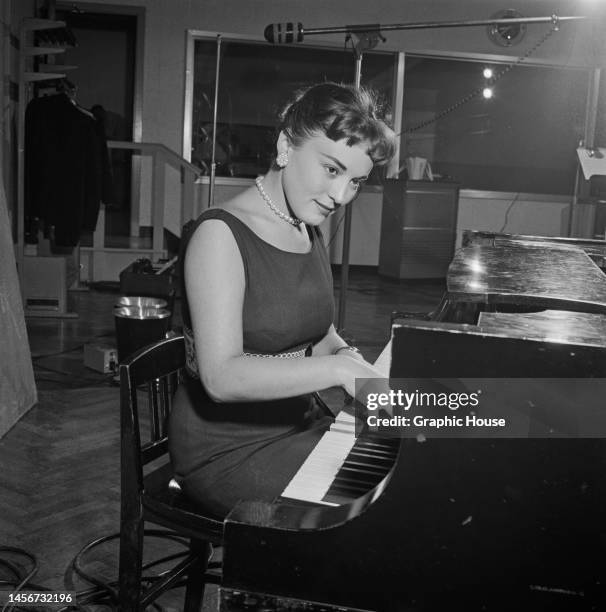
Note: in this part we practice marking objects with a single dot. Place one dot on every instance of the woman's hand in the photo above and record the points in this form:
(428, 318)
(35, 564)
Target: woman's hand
(333, 344)
(351, 367)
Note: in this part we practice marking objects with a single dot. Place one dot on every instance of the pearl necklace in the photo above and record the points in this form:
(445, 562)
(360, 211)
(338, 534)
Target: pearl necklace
(292, 220)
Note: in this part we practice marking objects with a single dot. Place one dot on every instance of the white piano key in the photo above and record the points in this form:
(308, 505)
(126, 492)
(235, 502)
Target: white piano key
(314, 478)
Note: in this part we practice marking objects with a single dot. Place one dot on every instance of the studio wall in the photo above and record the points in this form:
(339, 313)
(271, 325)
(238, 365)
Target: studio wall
(167, 21)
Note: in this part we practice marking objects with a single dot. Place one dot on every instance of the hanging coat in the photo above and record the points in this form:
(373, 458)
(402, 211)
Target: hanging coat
(63, 162)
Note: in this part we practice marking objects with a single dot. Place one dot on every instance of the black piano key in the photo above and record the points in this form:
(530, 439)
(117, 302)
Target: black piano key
(379, 446)
(339, 498)
(365, 466)
(350, 489)
(392, 443)
(375, 454)
(368, 468)
(373, 448)
(362, 472)
(358, 477)
(364, 457)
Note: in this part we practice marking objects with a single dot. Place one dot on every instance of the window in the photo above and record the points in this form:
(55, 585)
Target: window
(522, 139)
(256, 80)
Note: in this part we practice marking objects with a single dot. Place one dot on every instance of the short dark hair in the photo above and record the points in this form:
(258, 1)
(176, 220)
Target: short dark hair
(339, 112)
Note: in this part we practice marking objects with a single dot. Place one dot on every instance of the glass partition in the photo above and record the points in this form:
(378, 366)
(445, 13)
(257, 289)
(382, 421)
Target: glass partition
(523, 138)
(256, 80)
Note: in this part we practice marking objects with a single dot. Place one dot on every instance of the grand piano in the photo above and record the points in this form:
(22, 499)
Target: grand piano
(438, 524)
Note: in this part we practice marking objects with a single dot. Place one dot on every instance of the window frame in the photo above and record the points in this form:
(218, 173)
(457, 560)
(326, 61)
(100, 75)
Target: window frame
(399, 88)
(591, 104)
(195, 35)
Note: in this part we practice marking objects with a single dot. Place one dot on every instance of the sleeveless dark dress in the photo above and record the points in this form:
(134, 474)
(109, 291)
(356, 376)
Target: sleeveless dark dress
(222, 453)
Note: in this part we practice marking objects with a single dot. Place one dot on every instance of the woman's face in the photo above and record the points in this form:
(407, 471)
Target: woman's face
(322, 175)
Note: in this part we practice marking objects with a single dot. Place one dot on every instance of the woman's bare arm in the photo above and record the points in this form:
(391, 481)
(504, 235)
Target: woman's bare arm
(214, 277)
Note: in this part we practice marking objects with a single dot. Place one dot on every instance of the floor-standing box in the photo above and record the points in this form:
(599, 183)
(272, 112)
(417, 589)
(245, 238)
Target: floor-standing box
(418, 228)
(45, 286)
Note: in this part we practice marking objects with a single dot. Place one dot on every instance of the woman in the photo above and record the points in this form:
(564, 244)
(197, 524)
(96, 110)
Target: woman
(258, 307)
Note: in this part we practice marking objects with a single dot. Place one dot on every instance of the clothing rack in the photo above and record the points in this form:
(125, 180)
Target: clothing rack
(43, 279)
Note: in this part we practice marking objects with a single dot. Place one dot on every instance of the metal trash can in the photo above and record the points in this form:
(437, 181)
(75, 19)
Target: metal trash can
(140, 302)
(138, 327)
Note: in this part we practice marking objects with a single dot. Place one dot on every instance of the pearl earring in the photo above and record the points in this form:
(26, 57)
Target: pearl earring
(282, 160)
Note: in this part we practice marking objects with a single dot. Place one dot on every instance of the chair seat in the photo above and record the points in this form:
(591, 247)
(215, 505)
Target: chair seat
(171, 508)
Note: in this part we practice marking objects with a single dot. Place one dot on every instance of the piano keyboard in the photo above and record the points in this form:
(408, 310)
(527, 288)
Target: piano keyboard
(314, 477)
(342, 467)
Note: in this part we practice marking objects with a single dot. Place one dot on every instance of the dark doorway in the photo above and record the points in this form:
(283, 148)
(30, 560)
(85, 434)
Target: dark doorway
(105, 60)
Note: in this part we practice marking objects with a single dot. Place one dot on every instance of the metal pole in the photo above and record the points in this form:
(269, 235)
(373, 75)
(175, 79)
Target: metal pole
(347, 232)
(573, 203)
(421, 25)
(213, 165)
(581, 189)
(22, 101)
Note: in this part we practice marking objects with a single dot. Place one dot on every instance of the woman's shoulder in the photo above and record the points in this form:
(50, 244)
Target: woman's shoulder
(231, 218)
(236, 210)
(242, 208)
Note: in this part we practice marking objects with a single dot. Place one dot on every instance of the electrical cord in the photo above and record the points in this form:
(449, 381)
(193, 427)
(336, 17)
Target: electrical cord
(506, 219)
(11, 566)
(72, 349)
(74, 383)
(102, 593)
(92, 381)
(76, 564)
(24, 579)
(334, 234)
(64, 352)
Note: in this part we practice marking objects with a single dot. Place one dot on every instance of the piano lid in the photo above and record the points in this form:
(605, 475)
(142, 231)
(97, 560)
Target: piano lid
(591, 246)
(540, 275)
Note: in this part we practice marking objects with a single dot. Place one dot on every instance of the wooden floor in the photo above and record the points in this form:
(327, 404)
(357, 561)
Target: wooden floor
(59, 486)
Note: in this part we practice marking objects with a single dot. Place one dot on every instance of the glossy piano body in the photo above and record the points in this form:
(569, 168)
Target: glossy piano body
(495, 525)
(596, 249)
(558, 325)
(520, 276)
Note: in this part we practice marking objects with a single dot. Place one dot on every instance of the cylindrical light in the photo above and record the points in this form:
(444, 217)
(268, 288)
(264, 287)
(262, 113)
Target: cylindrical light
(487, 93)
(487, 73)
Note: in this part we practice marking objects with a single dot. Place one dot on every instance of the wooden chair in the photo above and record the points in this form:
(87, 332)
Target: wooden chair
(146, 495)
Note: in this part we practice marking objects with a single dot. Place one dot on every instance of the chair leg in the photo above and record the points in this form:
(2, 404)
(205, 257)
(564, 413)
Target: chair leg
(131, 562)
(194, 591)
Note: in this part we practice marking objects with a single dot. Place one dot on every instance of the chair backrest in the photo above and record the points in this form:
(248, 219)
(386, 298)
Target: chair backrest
(150, 375)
